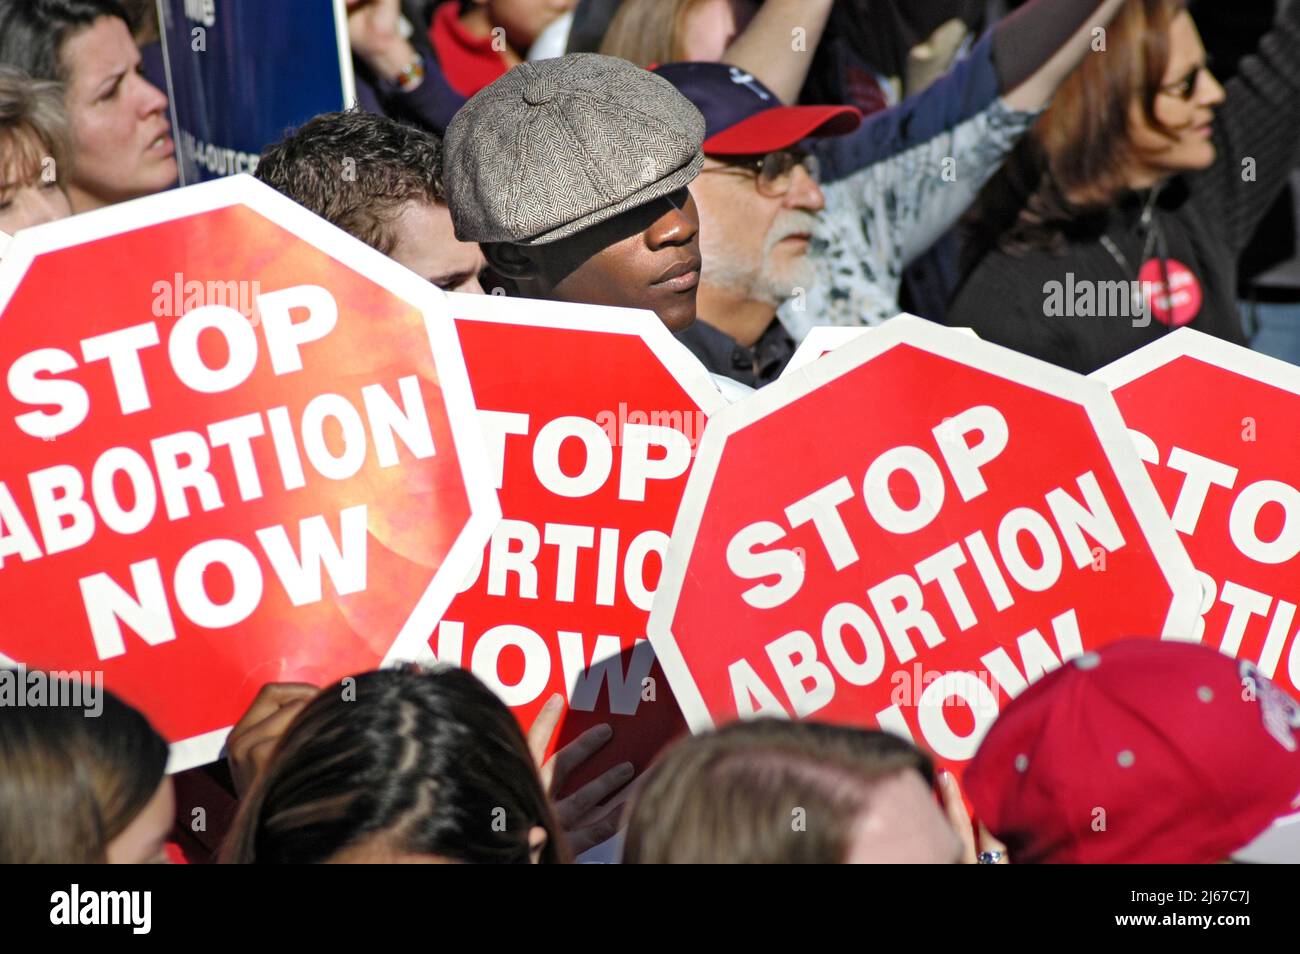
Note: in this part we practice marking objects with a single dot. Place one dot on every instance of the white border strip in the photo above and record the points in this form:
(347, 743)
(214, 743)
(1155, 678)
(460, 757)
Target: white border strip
(822, 339)
(347, 79)
(1189, 343)
(164, 18)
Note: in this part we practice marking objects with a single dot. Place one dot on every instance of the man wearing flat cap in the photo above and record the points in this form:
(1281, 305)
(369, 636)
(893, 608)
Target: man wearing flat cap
(572, 174)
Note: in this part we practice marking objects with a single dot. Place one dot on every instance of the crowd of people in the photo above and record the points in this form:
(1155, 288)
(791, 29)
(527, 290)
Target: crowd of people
(746, 171)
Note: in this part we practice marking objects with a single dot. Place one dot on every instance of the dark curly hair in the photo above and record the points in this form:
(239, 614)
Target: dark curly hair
(32, 32)
(404, 762)
(357, 170)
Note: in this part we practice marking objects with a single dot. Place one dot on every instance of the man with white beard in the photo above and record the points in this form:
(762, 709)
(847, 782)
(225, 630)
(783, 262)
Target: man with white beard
(775, 263)
(758, 199)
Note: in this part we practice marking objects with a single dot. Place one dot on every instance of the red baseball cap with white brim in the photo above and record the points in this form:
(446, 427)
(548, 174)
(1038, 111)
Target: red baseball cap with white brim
(1146, 751)
(742, 117)
(1278, 844)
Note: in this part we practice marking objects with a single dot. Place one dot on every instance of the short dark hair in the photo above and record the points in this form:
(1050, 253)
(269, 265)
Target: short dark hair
(726, 797)
(71, 782)
(415, 763)
(32, 32)
(357, 170)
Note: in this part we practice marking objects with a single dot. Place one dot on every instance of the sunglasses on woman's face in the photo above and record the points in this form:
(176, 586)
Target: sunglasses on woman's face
(1186, 88)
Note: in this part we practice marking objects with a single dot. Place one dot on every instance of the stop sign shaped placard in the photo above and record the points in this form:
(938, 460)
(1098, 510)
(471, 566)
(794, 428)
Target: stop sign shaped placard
(591, 418)
(904, 534)
(1216, 424)
(239, 447)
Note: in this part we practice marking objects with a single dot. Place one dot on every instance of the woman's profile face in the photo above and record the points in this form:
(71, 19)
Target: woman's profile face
(124, 147)
(1185, 104)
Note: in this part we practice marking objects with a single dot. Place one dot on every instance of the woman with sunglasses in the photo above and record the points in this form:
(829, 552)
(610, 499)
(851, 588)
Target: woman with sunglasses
(1122, 216)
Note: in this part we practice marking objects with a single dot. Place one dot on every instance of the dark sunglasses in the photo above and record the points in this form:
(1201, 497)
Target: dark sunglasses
(1186, 88)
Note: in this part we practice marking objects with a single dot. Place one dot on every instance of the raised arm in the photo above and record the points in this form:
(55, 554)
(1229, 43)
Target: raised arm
(386, 59)
(767, 48)
(907, 174)
(1038, 46)
(1257, 133)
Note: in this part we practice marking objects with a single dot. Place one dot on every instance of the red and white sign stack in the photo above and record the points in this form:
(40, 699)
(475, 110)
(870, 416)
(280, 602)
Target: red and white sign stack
(592, 417)
(1217, 425)
(905, 534)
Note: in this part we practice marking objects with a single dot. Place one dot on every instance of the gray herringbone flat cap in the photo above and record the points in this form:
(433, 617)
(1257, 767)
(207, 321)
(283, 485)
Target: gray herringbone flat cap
(557, 146)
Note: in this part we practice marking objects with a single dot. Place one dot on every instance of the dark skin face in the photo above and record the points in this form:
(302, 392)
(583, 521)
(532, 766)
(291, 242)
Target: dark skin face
(648, 257)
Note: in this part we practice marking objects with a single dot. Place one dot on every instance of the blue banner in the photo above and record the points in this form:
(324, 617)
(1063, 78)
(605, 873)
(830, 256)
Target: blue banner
(242, 72)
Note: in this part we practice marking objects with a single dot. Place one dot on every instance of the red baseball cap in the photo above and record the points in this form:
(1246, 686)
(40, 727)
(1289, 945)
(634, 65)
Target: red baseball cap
(1146, 751)
(742, 117)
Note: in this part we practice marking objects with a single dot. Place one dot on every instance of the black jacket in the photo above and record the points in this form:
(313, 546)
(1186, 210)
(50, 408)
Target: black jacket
(1205, 220)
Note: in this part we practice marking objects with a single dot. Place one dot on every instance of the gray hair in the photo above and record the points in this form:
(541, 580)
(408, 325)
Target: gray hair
(33, 124)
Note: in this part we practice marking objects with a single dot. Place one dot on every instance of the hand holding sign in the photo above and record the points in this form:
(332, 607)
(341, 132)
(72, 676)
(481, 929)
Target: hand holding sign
(253, 738)
(584, 815)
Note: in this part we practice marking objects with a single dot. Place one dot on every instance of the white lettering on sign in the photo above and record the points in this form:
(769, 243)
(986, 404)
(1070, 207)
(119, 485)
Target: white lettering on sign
(637, 465)
(584, 674)
(1203, 476)
(1031, 546)
(901, 491)
(201, 11)
(1252, 615)
(571, 457)
(299, 569)
(31, 380)
(126, 490)
(180, 465)
(854, 653)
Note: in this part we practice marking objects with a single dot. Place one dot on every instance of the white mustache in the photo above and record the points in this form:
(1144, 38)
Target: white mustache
(788, 223)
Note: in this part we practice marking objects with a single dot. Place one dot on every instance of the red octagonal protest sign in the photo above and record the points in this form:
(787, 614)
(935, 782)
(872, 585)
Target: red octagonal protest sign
(1216, 424)
(239, 447)
(591, 418)
(906, 533)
